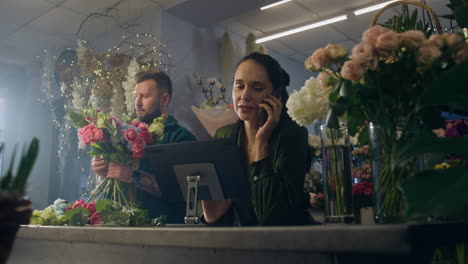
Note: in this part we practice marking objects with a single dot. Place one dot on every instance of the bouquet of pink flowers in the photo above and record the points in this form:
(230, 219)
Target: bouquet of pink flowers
(362, 193)
(115, 141)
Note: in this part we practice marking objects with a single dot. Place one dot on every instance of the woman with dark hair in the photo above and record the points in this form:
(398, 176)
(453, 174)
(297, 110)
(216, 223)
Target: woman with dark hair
(275, 148)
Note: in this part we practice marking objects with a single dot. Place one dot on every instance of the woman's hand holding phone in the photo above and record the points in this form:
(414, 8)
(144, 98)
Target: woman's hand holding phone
(273, 107)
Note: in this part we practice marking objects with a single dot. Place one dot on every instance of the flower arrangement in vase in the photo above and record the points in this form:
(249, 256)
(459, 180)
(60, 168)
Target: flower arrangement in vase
(399, 82)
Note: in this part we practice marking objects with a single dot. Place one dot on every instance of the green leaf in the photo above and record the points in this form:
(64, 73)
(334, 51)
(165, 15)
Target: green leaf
(449, 89)
(437, 193)
(103, 205)
(77, 118)
(461, 16)
(332, 120)
(415, 147)
(25, 166)
(78, 216)
(332, 97)
(364, 136)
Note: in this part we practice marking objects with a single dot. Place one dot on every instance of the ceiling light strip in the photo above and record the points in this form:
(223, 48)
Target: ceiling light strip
(372, 8)
(303, 28)
(274, 4)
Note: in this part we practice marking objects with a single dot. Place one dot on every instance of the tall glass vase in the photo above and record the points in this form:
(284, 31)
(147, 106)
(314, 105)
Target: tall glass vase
(336, 158)
(389, 206)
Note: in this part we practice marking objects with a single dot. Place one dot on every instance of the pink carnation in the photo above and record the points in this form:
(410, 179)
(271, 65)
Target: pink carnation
(98, 135)
(413, 38)
(370, 35)
(352, 70)
(79, 203)
(91, 134)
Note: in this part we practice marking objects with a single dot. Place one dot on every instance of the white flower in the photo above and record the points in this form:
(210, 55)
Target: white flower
(129, 86)
(308, 104)
(314, 141)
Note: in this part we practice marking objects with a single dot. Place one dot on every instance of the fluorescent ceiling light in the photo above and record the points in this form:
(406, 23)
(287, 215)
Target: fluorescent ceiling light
(303, 28)
(372, 8)
(274, 4)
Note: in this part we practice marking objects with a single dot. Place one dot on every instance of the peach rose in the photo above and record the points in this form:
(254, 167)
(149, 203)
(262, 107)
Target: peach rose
(317, 61)
(370, 35)
(387, 43)
(353, 70)
(324, 81)
(335, 51)
(462, 54)
(413, 38)
(452, 39)
(437, 40)
(363, 53)
(428, 54)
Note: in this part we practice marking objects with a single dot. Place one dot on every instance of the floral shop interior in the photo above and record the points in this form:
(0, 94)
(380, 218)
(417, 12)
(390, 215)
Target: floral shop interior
(222, 131)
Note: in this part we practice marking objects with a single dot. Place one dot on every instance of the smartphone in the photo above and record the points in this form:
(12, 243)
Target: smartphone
(262, 113)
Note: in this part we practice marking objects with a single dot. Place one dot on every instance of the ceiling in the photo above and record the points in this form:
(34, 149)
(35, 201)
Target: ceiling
(27, 26)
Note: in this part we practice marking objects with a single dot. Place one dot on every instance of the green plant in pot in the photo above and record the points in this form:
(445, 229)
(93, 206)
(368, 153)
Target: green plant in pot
(14, 209)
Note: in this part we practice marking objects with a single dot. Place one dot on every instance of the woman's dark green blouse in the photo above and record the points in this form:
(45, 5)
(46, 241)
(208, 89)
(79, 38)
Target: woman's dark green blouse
(277, 181)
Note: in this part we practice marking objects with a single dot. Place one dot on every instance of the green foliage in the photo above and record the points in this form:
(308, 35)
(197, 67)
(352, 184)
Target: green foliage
(13, 185)
(77, 217)
(459, 10)
(438, 193)
(47, 217)
(406, 21)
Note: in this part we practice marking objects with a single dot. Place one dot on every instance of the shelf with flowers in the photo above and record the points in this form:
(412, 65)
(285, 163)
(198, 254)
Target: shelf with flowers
(400, 82)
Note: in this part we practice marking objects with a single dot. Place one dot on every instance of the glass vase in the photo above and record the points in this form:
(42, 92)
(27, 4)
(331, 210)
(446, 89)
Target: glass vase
(388, 199)
(336, 158)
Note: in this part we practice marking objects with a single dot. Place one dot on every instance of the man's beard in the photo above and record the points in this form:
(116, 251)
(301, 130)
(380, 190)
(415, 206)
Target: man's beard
(148, 119)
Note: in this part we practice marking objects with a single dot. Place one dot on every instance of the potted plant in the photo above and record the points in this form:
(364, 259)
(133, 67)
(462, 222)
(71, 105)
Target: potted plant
(14, 209)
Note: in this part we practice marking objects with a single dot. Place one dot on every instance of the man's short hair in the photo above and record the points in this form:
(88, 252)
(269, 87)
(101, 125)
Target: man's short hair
(163, 82)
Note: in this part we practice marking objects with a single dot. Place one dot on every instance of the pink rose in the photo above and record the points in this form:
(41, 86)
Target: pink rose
(138, 146)
(84, 129)
(370, 35)
(91, 207)
(462, 54)
(437, 40)
(130, 135)
(143, 127)
(387, 43)
(98, 135)
(87, 137)
(353, 70)
(317, 61)
(412, 38)
(452, 39)
(428, 54)
(90, 119)
(147, 137)
(335, 51)
(135, 123)
(324, 81)
(95, 218)
(363, 53)
(138, 154)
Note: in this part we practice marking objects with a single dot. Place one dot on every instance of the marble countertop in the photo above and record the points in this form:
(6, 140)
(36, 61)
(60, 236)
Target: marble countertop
(323, 238)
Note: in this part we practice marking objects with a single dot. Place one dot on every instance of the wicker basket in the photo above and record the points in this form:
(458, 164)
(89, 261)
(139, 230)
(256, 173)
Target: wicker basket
(405, 2)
